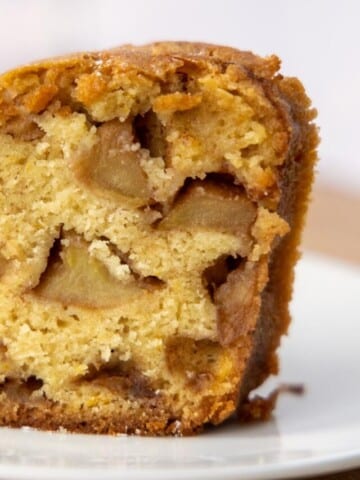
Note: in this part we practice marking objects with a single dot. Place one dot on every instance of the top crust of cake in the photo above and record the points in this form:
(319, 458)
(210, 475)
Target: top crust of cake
(95, 82)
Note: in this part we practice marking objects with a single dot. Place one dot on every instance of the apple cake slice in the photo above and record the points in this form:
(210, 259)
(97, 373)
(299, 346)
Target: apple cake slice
(151, 205)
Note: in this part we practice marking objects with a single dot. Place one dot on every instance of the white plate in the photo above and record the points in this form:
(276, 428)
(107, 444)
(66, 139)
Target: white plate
(315, 433)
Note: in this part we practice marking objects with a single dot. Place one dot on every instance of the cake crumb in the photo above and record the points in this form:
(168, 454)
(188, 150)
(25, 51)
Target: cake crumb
(261, 408)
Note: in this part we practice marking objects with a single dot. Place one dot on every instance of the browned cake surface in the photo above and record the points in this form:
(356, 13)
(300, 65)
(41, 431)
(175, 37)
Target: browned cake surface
(151, 206)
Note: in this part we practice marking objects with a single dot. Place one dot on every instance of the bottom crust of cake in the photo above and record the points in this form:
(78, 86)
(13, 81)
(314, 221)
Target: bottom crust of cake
(153, 419)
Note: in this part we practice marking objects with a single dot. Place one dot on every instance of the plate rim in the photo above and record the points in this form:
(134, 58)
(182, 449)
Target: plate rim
(327, 463)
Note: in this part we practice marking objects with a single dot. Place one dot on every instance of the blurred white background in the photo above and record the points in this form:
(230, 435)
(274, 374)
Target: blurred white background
(318, 41)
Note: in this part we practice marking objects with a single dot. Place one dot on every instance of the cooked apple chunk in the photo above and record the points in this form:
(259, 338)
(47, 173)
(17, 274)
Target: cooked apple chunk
(112, 166)
(75, 277)
(238, 301)
(207, 205)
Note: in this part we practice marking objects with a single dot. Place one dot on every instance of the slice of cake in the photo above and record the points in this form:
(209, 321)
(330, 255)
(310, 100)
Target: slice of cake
(151, 205)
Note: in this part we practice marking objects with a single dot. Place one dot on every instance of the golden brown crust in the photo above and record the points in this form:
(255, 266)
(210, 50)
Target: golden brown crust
(296, 180)
(74, 81)
(155, 419)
